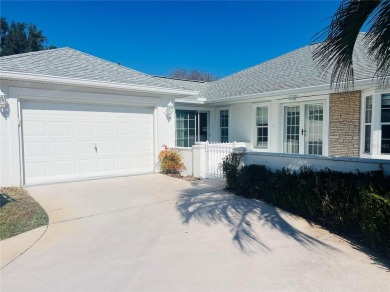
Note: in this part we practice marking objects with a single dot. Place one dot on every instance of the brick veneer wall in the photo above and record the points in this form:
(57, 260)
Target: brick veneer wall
(344, 124)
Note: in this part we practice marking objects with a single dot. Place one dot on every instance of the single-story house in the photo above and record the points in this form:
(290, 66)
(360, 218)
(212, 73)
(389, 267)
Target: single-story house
(68, 115)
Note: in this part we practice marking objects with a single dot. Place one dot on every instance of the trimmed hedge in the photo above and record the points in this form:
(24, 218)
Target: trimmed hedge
(355, 204)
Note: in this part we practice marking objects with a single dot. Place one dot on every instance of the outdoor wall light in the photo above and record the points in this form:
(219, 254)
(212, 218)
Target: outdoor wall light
(169, 110)
(3, 101)
(292, 97)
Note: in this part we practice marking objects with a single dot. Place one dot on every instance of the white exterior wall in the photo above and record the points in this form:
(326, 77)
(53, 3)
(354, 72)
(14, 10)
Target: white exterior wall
(10, 141)
(294, 162)
(187, 158)
(240, 122)
(5, 140)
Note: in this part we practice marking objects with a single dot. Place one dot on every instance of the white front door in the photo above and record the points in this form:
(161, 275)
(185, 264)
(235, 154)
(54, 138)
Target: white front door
(303, 131)
(72, 141)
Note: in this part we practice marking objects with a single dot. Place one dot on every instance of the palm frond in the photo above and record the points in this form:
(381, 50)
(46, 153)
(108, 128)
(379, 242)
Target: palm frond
(377, 40)
(335, 52)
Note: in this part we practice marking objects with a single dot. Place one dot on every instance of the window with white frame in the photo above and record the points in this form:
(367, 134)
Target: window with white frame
(191, 127)
(224, 125)
(367, 124)
(262, 127)
(385, 123)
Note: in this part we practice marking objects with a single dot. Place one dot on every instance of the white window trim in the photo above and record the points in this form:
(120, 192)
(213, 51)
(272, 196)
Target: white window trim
(199, 110)
(376, 131)
(254, 126)
(218, 122)
(306, 100)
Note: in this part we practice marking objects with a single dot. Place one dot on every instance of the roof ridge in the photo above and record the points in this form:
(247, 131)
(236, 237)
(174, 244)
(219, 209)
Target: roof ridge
(110, 62)
(179, 79)
(34, 53)
(262, 63)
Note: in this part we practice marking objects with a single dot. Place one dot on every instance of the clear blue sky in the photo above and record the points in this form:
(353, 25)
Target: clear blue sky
(156, 37)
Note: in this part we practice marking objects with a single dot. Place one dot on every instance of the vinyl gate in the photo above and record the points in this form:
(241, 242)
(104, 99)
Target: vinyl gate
(215, 153)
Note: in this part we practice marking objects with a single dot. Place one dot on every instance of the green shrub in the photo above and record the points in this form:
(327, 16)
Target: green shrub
(230, 168)
(356, 204)
(171, 161)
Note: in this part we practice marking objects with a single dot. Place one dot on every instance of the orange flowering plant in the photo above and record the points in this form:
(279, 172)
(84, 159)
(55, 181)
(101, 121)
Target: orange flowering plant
(170, 161)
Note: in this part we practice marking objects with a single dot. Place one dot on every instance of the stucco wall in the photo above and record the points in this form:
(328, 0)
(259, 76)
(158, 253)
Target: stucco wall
(344, 124)
(294, 162)
(241, 122)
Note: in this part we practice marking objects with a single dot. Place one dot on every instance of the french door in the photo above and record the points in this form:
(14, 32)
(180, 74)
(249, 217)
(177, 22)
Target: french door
(303, 128)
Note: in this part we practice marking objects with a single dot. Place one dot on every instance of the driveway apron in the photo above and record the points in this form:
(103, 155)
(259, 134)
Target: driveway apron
(157, 233)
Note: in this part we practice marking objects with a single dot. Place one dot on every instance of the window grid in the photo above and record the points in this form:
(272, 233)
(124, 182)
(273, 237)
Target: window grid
(315, 117)
(367, 124)
(185, 128)
(291, 136)
(385, 123)
(224, 125)
(262, 127)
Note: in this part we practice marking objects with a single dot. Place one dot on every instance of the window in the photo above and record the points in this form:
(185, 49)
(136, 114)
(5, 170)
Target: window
(367, 123)
(292, 121)
(191, 127)
(262, 127)
(385, 123)
(224, 125)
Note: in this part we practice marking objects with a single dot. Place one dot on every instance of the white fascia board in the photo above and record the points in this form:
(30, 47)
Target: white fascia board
(286, 92)
(6, 75)
(189, 101)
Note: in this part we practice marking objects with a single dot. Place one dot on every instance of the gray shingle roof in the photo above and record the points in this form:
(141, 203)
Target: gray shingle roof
(290, 71)
(70, 63)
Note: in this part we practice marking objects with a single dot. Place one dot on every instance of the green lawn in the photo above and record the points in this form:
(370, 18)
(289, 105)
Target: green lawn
(19, 212)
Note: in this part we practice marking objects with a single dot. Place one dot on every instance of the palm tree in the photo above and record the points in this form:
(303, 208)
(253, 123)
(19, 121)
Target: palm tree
(334, 53)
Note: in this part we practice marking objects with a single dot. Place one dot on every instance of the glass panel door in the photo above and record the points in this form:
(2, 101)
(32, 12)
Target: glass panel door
(313, 132)
(291, 129)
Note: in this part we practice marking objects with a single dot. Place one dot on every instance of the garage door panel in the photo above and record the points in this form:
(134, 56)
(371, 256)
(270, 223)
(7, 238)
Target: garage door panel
(36, 169)
(60, 129)
(83, 128)
(61, 149)
(125, 129)
(36, 150)
(85, 166)
(84, 148)
(106, 129)
(144, 161)
(61, 168)
(107, 164)
(59, 140)
(35, 128)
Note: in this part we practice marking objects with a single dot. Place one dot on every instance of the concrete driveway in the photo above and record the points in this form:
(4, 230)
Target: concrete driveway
(156, 233)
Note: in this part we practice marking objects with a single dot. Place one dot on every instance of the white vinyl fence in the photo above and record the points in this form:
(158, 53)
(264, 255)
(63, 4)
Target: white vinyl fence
(215, 153)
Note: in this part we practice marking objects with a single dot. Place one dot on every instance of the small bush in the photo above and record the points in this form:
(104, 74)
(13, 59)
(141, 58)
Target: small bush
(354, 204)
(230, 168)
(171, 161)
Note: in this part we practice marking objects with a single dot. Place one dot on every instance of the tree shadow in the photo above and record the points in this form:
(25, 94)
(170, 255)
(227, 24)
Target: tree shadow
(240, 215)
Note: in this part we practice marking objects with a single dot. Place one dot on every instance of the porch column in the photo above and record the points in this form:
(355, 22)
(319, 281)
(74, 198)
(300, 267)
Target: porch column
(199, 162)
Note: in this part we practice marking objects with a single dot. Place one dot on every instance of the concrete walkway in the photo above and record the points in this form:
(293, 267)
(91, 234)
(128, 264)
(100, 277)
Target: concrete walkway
(156, 233)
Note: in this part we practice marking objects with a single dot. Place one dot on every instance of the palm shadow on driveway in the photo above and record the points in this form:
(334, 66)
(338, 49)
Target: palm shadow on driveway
(241, 216)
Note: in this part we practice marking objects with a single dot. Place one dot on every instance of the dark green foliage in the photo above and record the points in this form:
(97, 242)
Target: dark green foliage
(19, 37)
(355, 204)
(230, 168)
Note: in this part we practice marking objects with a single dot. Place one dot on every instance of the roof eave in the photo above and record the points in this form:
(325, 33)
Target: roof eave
(325, 88)
(8, 75)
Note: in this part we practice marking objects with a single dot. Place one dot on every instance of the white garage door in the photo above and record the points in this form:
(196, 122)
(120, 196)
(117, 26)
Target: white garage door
(72, 141)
